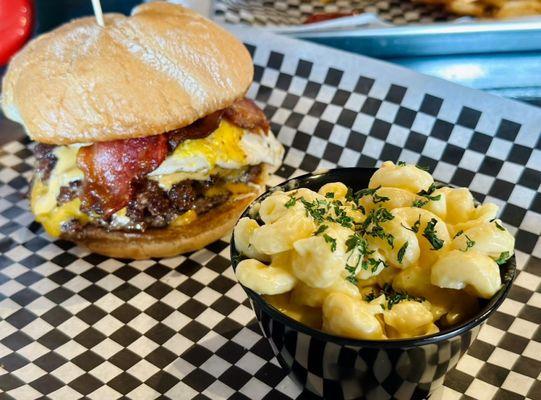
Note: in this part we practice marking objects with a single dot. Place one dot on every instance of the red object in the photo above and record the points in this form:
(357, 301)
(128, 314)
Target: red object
(326, 16)
(16, 18)
(111, 167)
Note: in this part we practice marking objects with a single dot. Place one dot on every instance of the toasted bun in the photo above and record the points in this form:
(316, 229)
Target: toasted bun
(165, 242)
(160, 69)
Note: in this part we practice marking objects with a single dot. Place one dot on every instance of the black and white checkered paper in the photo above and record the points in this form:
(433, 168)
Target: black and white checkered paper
(75, 324)
(295, 12)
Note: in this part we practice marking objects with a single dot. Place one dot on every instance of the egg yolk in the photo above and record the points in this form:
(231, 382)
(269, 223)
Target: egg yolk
(221, 147)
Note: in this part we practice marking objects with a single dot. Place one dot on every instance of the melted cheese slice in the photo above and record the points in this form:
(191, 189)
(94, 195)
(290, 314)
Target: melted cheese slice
(53, 219)
(64, 172)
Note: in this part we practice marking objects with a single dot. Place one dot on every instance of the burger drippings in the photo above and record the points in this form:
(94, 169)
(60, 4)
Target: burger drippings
(153, 207)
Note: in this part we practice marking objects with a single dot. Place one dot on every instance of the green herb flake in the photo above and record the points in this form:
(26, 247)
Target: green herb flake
(352, 271)
(415, 227)
(331, 241)
(321, 229)
(342, 217)
(458, 234)
(502, 258)
(419, 203)
(501, 228)
(428, 193)
(291, 202)
(376, 198)
(430, 234)
(373, 221)
(329, 195)
(401, 252)
(371, 264)
(349, 195)
(469, 243)
(422, 168)
(314, 209)
(355, 241)
(401, 164)
(393, 297)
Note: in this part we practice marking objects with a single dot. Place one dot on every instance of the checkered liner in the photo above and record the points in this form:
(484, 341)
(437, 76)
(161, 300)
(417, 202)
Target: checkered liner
(295, 12)
(75, 324)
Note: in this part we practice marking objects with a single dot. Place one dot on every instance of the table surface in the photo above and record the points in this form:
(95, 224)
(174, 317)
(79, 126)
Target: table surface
(74, 323)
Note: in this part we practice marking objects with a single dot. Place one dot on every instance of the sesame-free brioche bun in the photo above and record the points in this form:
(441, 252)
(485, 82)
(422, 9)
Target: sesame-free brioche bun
(159, 69)
(165, 242)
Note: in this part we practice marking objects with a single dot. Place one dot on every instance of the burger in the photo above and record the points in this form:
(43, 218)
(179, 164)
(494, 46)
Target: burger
(146, 145)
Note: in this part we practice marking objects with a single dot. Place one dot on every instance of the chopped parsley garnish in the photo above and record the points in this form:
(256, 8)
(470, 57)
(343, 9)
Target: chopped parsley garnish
(393, 297)
(291, 202)
(359, 194)
(315, 209)
(458, 234)
(342, 217)
(415, 227)
(469, 243)
(376, 198)
(329, 195)
(372, 264)
(427, 193)
(349, 194)
(321, 229)
(331, 241)
(351, 277)
(422, 167)
(501, 228)
(373, 220)
(381, 215)
(401, 163)
(419, 203)
(356, 241)
(430, 234)
(401, 252)
(320, 210)
(503, 258)
(357, 246)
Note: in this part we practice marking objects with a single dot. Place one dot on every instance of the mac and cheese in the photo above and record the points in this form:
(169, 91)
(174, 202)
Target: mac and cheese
(401, 258)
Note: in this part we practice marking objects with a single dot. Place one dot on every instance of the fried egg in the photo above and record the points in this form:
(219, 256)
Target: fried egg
(228, 147)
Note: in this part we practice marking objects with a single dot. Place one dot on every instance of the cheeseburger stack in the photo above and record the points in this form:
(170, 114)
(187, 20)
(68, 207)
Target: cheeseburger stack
(147, 146)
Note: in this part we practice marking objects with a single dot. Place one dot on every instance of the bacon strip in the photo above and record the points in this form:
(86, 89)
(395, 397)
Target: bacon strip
(246, 114)
(111, 167)
(198, 130)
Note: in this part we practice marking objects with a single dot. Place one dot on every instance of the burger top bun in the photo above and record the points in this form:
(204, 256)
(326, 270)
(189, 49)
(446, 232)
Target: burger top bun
(159, 69)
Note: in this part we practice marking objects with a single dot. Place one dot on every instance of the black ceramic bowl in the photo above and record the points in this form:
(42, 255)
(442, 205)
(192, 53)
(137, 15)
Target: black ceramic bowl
(338, 368)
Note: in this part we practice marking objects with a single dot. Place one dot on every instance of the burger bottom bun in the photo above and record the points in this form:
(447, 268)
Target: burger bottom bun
(165, 242)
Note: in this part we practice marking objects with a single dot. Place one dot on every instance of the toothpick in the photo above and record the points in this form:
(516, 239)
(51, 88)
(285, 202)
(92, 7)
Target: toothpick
(98, 12)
